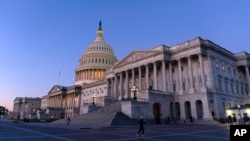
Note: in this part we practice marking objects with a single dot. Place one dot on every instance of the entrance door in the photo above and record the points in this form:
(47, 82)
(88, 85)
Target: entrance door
(157, 112)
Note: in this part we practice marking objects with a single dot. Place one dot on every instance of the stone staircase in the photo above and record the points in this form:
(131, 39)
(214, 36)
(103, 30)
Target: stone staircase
(110, 115)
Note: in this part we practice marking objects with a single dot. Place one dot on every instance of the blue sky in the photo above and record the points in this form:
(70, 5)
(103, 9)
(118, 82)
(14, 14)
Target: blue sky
(39, 38)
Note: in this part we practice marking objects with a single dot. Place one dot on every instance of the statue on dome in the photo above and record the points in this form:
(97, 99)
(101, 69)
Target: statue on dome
(100, 25)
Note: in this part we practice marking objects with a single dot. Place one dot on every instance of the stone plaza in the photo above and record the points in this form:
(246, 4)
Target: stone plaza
(19, 131)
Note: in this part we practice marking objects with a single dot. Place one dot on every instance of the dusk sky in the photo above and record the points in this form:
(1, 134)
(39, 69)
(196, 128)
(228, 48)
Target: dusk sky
(40, 38)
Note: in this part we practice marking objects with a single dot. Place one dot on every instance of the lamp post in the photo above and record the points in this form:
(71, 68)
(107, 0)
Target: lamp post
(239, 114)
(93, 96)
(134, 89)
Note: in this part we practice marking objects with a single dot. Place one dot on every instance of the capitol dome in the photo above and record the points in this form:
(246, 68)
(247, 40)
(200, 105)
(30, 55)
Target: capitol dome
(97, 58)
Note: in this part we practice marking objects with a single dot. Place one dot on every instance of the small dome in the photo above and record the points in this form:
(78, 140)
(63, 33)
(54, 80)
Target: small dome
(97, 58)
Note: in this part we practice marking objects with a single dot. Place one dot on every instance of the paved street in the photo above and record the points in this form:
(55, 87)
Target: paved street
(20, 131)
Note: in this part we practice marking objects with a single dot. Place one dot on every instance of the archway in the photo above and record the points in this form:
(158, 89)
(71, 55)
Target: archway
(199, 109)
(177, 111)
(157, 112)
(188, 110)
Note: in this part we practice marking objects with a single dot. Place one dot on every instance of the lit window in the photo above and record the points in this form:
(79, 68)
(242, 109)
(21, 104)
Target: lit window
(223, 67)
(217, 65)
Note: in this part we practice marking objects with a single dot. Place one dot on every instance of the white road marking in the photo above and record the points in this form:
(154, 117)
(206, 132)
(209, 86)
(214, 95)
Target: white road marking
(40, 133)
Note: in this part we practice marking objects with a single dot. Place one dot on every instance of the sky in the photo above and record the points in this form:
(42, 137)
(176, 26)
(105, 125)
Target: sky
(40, 38)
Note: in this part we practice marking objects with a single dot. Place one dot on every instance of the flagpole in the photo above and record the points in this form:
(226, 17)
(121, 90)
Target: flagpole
(59, 77)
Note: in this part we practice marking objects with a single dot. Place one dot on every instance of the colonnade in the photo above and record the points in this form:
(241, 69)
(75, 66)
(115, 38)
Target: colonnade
(120, 87)
(66, 101)
(88, 74)
(248, 77)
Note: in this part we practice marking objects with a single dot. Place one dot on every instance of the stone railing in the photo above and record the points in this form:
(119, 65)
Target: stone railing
(185, 45)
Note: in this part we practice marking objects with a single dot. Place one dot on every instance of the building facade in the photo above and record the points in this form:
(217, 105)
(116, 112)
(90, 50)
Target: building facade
(195, 79)
(26, 107)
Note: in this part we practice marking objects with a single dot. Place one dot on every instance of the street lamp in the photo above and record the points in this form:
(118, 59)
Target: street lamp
(239, 114)
(93, 96)
(134, 89)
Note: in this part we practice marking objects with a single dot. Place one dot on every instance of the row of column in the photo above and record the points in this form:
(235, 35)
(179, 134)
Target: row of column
(58, 102)
(114, 82)
(90, 74)
(55, 101)
(248, 77)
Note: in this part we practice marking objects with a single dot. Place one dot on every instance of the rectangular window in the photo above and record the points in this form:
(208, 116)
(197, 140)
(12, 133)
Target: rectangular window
(232, 87)
(226, 85)
(220, 86)
(237, 89)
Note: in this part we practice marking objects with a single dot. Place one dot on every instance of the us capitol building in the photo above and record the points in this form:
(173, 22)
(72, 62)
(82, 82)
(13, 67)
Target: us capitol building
(195, 79)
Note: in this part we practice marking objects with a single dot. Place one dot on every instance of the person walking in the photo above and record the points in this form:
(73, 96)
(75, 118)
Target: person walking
(141, 128)
(68, 120)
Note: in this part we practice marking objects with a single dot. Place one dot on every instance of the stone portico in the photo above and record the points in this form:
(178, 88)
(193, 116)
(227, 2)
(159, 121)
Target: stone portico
(194, 73)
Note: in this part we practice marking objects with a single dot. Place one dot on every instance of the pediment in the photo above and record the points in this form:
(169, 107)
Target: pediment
(56, 89)
(135, 56)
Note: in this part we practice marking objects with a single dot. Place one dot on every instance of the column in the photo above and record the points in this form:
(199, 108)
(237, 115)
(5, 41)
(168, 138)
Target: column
(115, 85)
(248, 77)
(126, 84)
(182, 111)
(112, 87)
(103, 73)
(211, 70)
(93, 74)
(191, 82)
(147, 79)
(193, 109)
(80, 74)
(96, 73)
(109, 87)
(139, 68)
(55, 101)
(163, 74)
(61, 103)
(170, 77)
(89, 76)
(180, 77)
(121, 86)
(58, 101)
(155, 76)
(85, 74)
(49, 102)
(202, 71)
(73, 104)
(133, 77)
